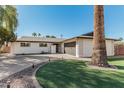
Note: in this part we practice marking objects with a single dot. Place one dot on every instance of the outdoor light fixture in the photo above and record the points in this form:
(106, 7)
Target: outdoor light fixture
(49, 59)
(8, 84)
(33, 66)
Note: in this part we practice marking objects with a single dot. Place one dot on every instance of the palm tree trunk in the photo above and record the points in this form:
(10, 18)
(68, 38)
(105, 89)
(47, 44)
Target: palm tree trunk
(99, 56)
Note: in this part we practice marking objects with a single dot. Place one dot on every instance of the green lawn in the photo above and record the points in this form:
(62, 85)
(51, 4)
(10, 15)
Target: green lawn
(118, 62)
(76, 74)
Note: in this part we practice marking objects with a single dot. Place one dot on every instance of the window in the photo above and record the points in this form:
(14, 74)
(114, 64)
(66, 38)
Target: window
(24, 44)
(42, 44)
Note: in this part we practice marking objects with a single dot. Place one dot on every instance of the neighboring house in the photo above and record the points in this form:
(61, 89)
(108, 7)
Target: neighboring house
(119, 48)
(80, 46)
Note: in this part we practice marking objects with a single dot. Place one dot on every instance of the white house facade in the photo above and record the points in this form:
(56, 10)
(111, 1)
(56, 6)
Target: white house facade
(31, 45)
(80, 46)
(83, 46)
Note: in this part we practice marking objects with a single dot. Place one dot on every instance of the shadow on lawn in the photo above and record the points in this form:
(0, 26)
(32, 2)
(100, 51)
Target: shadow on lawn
(115, 59)
(118, 62)
(120, 67)
(64, 74)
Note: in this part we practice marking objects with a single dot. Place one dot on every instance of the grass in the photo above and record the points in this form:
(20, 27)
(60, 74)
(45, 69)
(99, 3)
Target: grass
(118, 62)
(76, 74)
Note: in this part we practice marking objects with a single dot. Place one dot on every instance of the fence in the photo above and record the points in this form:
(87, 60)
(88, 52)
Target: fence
(119, 50)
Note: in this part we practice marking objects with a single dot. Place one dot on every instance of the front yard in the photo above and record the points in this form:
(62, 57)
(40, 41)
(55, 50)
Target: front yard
(76, 74)
(118, 62)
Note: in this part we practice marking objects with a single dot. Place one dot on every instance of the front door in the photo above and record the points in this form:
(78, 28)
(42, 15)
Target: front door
(53, 49)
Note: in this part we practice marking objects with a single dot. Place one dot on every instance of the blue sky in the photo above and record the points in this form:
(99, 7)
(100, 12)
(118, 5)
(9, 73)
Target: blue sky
(69, 21)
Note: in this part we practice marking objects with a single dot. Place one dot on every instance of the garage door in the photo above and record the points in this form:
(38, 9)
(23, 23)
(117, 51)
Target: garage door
(70, 50)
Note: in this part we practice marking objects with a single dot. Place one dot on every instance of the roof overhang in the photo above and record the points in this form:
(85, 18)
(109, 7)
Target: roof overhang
(88, 37)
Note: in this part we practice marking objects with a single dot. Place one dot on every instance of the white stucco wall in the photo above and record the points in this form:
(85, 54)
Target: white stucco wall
(79, 49)
(34, 48)
(62, 48)
(88, 47)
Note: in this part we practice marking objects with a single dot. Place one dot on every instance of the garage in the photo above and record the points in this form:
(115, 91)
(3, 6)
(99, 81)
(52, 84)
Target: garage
(88, 47)
(70, 48)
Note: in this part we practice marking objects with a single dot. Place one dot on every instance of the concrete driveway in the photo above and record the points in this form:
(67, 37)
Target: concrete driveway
(12, 64)
(65, 56)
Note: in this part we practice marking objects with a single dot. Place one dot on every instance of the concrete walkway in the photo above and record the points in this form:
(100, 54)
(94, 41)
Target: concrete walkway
(65, 56)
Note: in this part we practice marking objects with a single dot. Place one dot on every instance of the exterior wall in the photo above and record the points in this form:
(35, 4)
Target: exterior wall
(62, 48)
(71, 49)
(83, 48)
(34, 48)
(53, 49)
(88, 47)
(110, 47)
(119, 50)
(79, 49)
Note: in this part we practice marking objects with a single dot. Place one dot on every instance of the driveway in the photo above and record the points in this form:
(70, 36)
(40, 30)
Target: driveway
(65, 56)
(12, 64)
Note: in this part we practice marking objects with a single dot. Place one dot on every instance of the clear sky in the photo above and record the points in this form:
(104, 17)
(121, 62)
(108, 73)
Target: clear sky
(67, 20)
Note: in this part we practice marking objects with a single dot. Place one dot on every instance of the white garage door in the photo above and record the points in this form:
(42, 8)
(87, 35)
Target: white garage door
(70, 50)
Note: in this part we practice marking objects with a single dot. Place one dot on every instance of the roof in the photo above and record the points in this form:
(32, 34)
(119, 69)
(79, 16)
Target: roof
(38, 39)
(89, 36)
(56, 40)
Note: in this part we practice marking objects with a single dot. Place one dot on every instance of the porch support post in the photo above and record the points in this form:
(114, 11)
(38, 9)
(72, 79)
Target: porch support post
(79, 47)
(62, 48)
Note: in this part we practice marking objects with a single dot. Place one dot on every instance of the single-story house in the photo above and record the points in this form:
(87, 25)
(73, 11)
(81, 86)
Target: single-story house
(80, 46)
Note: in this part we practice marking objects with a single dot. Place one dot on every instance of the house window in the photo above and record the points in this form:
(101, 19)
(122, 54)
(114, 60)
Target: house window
(42, 44)
(24, 44)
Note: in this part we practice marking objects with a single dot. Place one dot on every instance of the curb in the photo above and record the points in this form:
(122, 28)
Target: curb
(35, 82)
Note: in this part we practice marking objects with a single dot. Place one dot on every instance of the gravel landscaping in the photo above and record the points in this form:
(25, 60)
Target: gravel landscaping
(22, 79)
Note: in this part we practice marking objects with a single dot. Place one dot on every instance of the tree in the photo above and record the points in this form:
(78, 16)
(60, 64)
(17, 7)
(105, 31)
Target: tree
(39, 34)
(48, 36)
(120, 38)
(53, 36)
(99, 56)
(34, 34)
(8, 23)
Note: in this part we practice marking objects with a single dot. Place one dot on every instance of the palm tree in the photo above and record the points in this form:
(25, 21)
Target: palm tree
(39, 34)
(53, 36)
(99, 56)
(8, 22)
(47, 36)
(34, 34)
